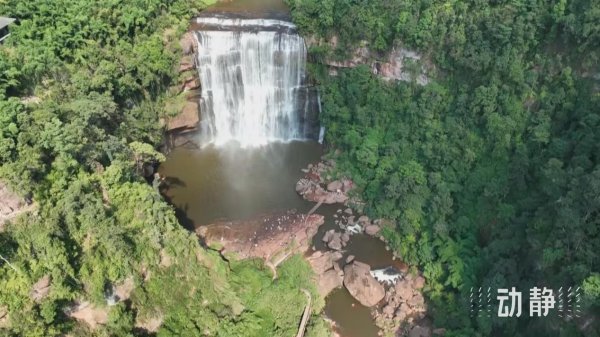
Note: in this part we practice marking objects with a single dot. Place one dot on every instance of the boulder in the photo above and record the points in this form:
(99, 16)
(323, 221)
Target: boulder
(263, 236)
(404, 289)
(388, 310)
(89, 314)
(40, 289)
(363, 220)
(348, 211)
(328, 281)
(402, 312)
(372, 230)
(334, 186)
(417, 301)
(361, 285)
(328, 236)
(349, 259)
(418, 282)
(345, 238)
(320, 262)
(336, 242)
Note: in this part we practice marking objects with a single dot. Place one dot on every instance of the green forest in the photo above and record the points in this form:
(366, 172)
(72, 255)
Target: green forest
(83, 85)
(491, 171)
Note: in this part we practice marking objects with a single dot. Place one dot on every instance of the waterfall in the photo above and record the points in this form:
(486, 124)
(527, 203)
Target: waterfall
(252, 73)
(322, 128)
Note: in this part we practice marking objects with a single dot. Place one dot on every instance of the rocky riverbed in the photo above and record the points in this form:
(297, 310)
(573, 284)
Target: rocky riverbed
(264, 236)
(393, 293)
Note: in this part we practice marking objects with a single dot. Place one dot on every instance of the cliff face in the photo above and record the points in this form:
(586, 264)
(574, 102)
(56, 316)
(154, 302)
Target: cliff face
(399, 64)
(186, 101)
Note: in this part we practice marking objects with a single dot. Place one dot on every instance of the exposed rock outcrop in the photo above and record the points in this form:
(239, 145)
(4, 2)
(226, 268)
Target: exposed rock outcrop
(361, 285)
(40, 289)
(4, 317)
(150, 324)
(314, 186)
(11, 204)
(187, 43)
(188, 119)
(88, 313)
(404, 307)
(324, 265)
(399, 64)
(263, 236)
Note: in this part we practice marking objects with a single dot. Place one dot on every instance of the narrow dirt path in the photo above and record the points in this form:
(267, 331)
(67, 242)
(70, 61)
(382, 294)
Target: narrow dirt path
(305, 315)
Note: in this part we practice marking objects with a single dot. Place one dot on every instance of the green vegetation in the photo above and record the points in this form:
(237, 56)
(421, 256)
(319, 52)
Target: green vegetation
(82, 87)
(491, 171)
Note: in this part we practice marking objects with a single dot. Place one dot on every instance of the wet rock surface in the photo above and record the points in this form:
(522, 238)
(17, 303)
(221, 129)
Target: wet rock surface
(263, 236)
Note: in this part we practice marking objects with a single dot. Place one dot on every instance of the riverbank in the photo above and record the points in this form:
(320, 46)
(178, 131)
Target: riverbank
(392, 291)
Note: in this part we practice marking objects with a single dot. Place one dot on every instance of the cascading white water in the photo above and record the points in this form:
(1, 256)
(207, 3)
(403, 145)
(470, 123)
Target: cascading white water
(252, 75)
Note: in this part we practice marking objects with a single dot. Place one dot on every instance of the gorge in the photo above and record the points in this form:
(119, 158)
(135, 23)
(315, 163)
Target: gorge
(258, 131)
(457, 150)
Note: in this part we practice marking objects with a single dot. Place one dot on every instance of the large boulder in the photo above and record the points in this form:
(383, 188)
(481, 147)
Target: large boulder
(263, 236)
(361, 285)
(321, 262)
(328, 281)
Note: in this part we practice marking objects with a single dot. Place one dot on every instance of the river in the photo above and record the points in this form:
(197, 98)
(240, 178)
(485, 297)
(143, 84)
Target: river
(206, 184)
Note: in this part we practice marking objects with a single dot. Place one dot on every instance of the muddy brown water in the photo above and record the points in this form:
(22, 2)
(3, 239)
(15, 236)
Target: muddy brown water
(230, 182)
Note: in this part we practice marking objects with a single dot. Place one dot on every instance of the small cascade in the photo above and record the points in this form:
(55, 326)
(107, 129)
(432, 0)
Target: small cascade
(322, 128)
(253, 81)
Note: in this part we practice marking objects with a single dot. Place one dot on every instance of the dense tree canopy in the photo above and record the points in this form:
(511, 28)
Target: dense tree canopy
(491, 171)
(82, 87)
